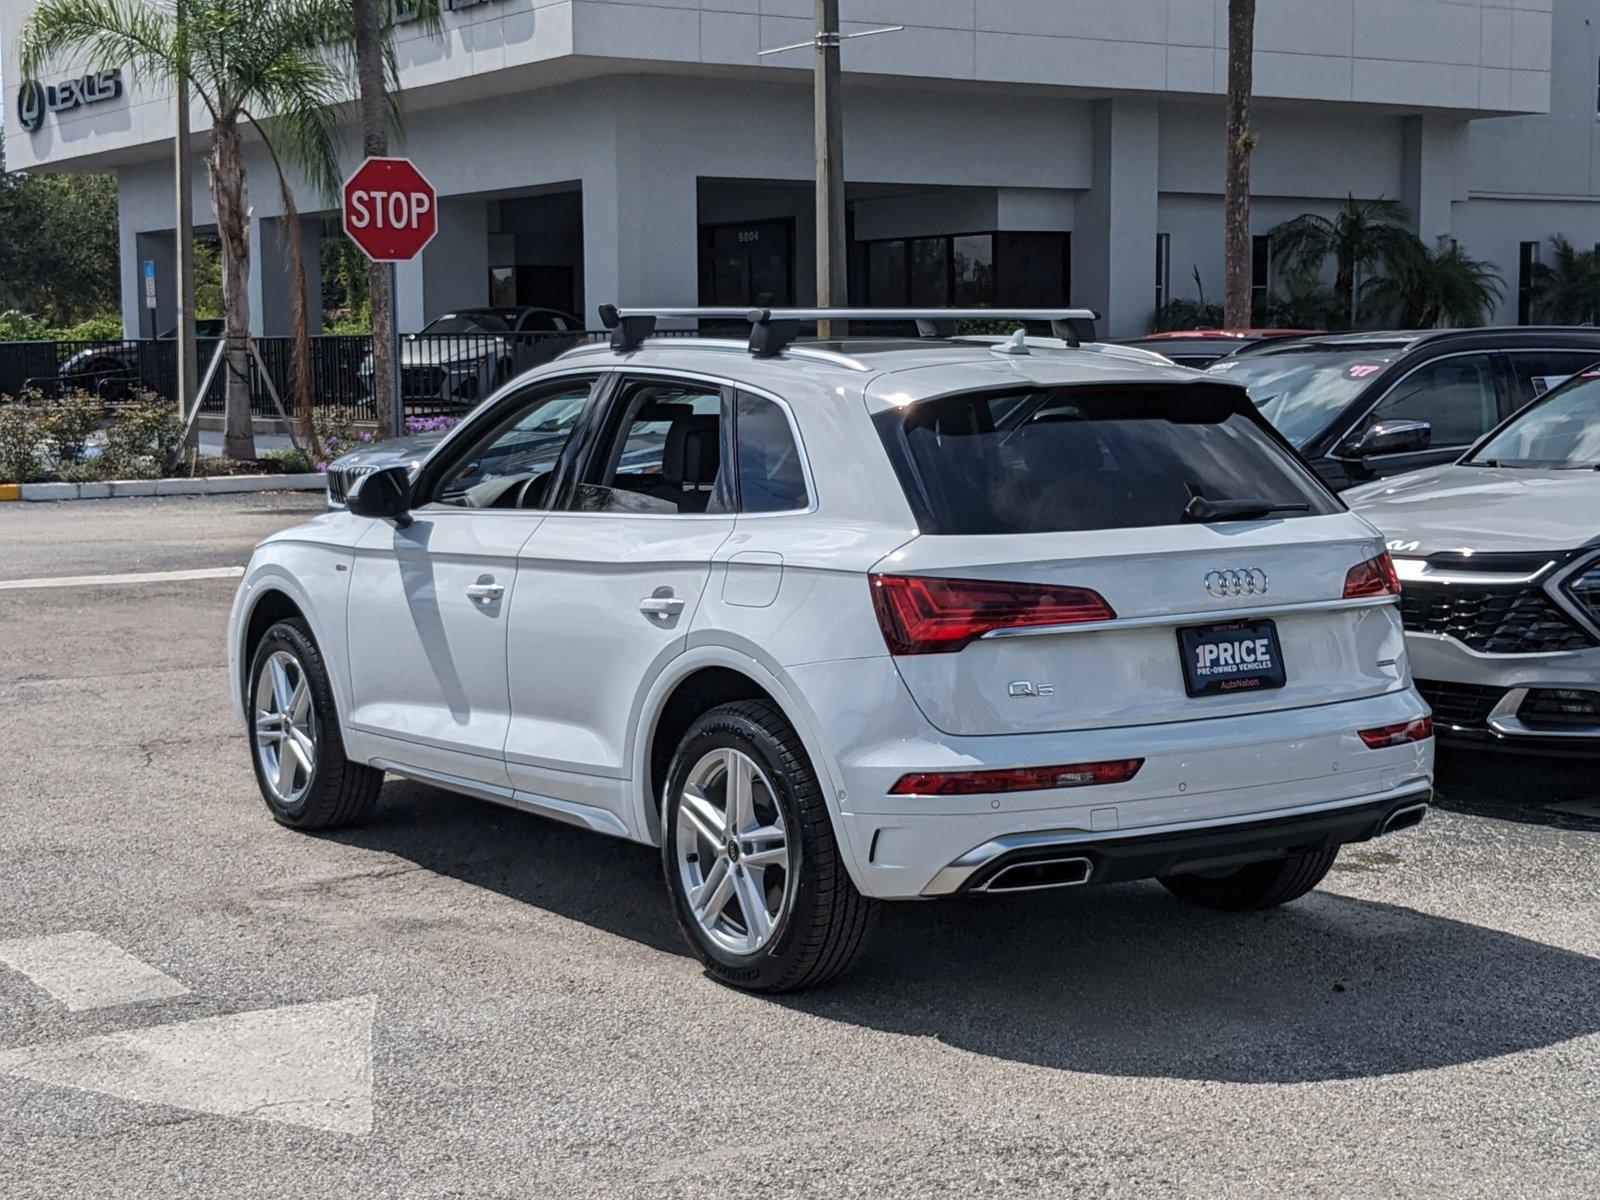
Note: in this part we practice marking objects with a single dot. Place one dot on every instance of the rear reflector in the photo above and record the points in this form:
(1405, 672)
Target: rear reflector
(1419, 730)
(1375, 577)
(929, 614)
(1018, 779)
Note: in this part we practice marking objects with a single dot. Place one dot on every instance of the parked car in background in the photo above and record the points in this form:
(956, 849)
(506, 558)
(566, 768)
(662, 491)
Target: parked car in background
(1499, 555)
(458, 358)
(110, 370)
(1362, 406)
(407, 451)
(815, 619)
(1200, 348)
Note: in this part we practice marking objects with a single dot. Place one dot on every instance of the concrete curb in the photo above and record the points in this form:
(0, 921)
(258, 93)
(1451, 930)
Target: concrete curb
(220, 485)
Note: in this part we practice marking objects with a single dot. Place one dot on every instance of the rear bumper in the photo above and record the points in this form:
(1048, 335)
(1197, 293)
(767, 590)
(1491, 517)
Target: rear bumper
(1025, 862)
(1214, 773)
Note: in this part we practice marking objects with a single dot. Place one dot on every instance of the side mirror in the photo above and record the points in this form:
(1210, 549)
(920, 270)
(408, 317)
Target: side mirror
(384, 494)
(1392, 437)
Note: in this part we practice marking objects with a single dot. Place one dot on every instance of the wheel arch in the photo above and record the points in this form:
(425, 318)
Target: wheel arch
(271, 594)
(700, 679)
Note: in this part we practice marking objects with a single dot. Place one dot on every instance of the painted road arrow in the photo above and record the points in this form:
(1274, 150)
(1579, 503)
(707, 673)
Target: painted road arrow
(304, 1064)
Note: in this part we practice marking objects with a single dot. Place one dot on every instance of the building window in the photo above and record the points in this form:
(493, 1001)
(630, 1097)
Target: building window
(971, 270)
(1527, 280)
(1260, 269)
(1163, 270)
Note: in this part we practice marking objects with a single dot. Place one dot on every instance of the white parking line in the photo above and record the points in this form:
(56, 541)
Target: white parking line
(84, 971)
(79, 581)
(305, 1064)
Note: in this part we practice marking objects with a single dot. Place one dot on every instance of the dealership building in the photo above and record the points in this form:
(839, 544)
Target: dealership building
(1023, 152)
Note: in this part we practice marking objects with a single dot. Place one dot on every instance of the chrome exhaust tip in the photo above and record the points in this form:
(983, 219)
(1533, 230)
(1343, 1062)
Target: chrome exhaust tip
(1403, 818)
(1037, 874)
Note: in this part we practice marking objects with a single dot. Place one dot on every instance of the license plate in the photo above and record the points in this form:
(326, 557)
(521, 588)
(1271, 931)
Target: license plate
(1234, 656)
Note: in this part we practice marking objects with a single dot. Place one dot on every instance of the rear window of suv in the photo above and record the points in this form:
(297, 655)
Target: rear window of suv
(1068, 460)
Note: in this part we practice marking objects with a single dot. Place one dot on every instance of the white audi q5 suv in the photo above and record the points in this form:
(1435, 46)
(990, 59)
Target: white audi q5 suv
(852, 620)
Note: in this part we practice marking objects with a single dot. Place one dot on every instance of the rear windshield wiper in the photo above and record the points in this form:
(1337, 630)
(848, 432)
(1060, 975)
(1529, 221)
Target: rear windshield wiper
(1204, 511)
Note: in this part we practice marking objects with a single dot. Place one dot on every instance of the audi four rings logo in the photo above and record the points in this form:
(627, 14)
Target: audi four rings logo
(1240, 581)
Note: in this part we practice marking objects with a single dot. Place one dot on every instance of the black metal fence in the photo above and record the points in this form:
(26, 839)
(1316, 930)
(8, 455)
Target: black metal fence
(440, 374)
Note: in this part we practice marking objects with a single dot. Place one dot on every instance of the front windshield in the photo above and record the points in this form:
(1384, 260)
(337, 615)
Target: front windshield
(1561, 430)
(466, 323)
(1301, 389)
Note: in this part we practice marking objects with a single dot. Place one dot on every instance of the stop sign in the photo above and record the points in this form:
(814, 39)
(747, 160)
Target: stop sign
(390, 210)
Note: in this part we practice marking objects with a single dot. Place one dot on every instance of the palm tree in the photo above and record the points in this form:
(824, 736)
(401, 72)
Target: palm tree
(256, 64)
(1430, 288)
(1567, 289)
(1236, 290)
(1365, 236)
(376, 72)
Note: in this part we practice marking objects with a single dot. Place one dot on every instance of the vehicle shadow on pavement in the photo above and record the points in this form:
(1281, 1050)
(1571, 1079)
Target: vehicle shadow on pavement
(1121, 980)
(1560, 792)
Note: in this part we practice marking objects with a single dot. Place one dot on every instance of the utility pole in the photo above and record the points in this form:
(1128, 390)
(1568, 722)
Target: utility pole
(183, 235)
(832, 279)
(833, 287)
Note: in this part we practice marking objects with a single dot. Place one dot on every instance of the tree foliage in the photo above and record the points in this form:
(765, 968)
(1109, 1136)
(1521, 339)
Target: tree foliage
(58, 245)
(1566, 289)
(1432, 287)
(1364, 238)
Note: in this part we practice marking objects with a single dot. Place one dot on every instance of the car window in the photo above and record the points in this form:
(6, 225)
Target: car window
(1561, 430)
(1303, 389)
(1058, 461)
(538, 322)
(1456, 396)
(466, 323)
(513, 465)
(665, 456)
(771, 476)
(1539, 371)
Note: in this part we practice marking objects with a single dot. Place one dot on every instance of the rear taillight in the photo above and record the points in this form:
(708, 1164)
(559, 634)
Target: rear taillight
(1419, 730)
(929, 614)
(1375, 577)
(1016, 779)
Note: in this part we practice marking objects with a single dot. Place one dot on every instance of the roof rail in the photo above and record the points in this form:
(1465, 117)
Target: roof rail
(771, 329)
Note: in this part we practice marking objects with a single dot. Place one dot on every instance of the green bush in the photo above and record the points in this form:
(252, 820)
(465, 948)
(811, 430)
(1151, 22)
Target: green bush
(20, 438)
(20, 327)
(66, 424)
(105, 327)
(142, 437)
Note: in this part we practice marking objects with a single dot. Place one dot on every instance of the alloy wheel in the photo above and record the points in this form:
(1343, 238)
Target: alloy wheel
(286, 732)
(733, 851)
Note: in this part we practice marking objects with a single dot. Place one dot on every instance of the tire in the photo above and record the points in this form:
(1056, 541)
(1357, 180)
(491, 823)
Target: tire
(1256, 886)
(335, 792)
(820, 922)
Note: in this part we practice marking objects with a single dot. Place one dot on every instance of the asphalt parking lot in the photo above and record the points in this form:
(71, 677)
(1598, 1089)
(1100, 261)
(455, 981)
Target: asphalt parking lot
(457, 1000)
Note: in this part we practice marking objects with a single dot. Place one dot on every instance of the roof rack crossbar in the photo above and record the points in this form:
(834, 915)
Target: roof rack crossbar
(771, 329)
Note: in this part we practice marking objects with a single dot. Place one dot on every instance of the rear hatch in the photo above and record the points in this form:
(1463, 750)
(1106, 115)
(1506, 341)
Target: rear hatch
(1067, 577)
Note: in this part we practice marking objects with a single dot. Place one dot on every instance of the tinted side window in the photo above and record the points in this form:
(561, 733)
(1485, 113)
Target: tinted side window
(771, 477)
(666, 455)
(1454, 395)
(1540, 371)
(513, 465)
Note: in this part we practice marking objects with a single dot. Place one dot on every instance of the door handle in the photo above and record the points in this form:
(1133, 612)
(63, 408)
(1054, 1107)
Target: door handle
(486, 591)
(661, 606)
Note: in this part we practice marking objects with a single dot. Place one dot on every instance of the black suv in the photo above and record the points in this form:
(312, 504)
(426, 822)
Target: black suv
(1363, 405)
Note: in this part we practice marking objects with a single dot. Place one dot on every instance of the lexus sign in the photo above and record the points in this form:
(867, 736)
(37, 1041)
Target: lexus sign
(35, 99)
